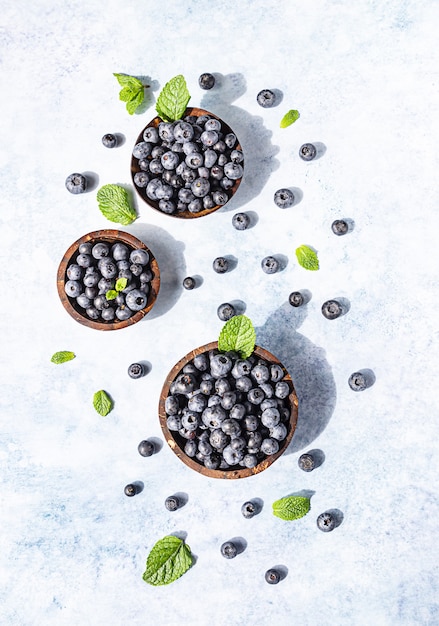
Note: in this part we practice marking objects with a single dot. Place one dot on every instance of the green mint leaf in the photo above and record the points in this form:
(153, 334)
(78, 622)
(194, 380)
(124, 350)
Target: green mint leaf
(115, 205)
(102, 402)
(169, 559)
(307, 258)
(135, 102)
(121, 283)
(111, 294)
(132, 91)
(238, 334)
(125, 94)
(62, 356)
(173, 99)
(291, 507)
(289, 118)
(125, 80)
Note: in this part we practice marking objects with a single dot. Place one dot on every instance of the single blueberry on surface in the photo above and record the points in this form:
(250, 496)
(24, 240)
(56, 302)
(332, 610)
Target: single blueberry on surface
(136, 370)
(331, 309)
(229, 550)
(131, 490)
(76, 183)
(306, 462)
(240, 221)
(249, 509)
(146, 448)
(189, 282)
(206, 80)
(358, 381)
(296, 299)
(272, 576)
(266, 98)
(283, 198)
(270, 265)
(307, 152)
(172, 503)
(220, 265)
(226, 311)
(339, 227)
(326, 522)
(109, 140)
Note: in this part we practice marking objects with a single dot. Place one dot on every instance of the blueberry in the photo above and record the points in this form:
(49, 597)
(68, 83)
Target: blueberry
(142, 149)
(131, 490)
(107, 268)
(229, 550)
(326, 522)
(136, 300)
(226, 311)
(190, 448)
(170, 160)
(189, 283)
(213, 461)
(331, 309)
(306, 462)
(307, 152)
(260, 373)
(250, 460)
(172, 503)
(100, 250)
(206, 81)
(231, 428)
(270, 265)
(218, 439)
(136, 370)
(146, 448)
(270, 417)
(284, 198)
(151, 134)
(139, 256)
(108, 314)
(141, 179)
(282, 390)
(209, 137)
(272, 576)
(85, 248)
(200, 187)
(358, 381)
(183, 132)
(185, 383)
(269, 446)
(279, 432)
(249, 509)
(123, 313)
(240, 221)
(220, 197)
(74, 272)
(339, 227)
(109, 140)
(233, 170)
(73, 288)
(166, 131)
(220, 365)
(296, 299)
(266, 98)
(220, 265)
(76, 183)
(83, 301)
(119, 251)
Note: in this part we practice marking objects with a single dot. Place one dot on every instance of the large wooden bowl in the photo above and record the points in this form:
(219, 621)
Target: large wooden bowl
(176, 442)
(183, 214)
(110, 237)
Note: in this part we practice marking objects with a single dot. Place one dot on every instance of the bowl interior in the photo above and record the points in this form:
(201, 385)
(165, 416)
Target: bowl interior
(110, 237)
(154, 204)
(176, 442)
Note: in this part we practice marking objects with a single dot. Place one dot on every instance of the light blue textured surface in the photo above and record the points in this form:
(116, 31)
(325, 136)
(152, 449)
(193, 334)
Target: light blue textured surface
(364, 77)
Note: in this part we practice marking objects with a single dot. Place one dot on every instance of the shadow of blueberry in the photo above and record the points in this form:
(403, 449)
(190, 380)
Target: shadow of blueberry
(309, 370)
(92, 180)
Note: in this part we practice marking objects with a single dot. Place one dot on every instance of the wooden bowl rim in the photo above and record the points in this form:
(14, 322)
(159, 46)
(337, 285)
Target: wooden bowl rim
(233, 473)
(184, 214)
(114, 236)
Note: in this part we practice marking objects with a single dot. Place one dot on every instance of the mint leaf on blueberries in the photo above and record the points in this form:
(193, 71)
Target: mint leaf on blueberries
(239, 335)
(102, 402)
(114, 204)
(289, 118)
(132, 92)
(169, 559)
(307, 258)
(291, 507)
(111, 294)
(121, 283)
(62, 356)
(173, 99)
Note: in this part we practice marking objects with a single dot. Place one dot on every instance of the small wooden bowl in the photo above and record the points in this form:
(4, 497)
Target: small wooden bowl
(183, 214)
(176, 442)
(110, 237)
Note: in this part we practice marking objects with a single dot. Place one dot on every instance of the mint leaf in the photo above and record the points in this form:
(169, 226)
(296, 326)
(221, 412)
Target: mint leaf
(132, 91)
(169, 559)
(62, 356)
(102, 402)
(289, 118)
(111, 294)
(238, 334)
(307, 258)
(173, 99)
(121, 283)
(291, 507)
(114, 204)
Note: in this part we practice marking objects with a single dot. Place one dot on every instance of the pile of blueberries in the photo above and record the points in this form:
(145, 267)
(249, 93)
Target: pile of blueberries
(190, 165)
(94, 272)
(228, 413)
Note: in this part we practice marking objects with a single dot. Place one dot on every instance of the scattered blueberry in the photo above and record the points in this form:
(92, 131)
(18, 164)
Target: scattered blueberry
(131, 490)
(172, 503)
(109, 140)
(249, 509)
(270, 265)
(240, 221)
(266, 98)
(206, 81)
(189, 282)
(339, 227)
(229, 550)
(307, 152)
(136, 370)
(326, 522)
(76, 183)
(284, 198)
(146, 448)
(226, 311)
(220, 265)
(358, 381)
(331, 309)
(296, 299)
(306, 462)
(272, 576)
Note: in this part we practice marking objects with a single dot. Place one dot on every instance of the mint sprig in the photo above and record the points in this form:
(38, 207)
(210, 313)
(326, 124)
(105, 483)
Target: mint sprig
(291, 507)
(102, 402)
(114, 204)
(120, 285)
(62, 356)
(132, 92)
(169, 559)
(173, 99)
(307, 258)
(239, 335)
(289, 118)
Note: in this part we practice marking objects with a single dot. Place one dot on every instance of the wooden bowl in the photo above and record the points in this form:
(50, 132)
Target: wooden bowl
(176, 442)
(110, 237)
(183, 214)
